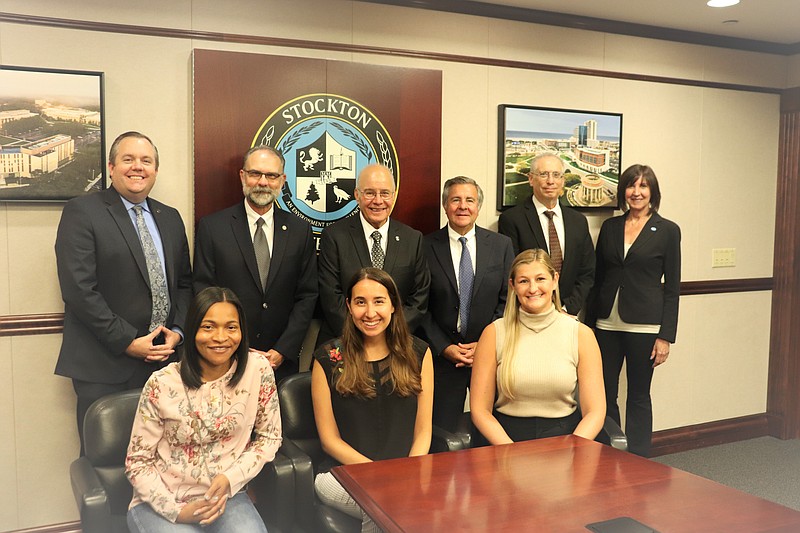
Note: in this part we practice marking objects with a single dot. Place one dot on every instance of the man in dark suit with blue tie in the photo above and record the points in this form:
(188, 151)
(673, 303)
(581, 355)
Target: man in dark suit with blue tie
(123, 266)
(267, 257)
(371, 238)
(469, 283)
(541, 222)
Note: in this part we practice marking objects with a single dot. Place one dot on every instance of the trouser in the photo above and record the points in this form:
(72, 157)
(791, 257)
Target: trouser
(635, 350)
(240, 516)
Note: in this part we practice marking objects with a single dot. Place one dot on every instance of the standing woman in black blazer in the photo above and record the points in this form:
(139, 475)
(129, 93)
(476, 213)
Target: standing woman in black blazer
(634, 312)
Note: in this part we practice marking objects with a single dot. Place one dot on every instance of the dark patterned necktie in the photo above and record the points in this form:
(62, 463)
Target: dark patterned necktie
(377, 254)
(261, 247)
(555, 247)
(465, 278)
(158, 283)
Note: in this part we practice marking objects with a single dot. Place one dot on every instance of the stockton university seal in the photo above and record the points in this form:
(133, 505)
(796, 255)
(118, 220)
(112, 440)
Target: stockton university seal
(327, 140)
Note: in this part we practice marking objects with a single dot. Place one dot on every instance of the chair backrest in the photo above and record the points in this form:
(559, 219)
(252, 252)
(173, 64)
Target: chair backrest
(297, 415)
(106, 433)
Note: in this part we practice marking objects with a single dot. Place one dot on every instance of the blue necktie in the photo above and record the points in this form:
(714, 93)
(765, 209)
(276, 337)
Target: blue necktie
(465, 278)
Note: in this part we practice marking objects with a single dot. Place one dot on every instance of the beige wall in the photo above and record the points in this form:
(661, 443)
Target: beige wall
(715, 152)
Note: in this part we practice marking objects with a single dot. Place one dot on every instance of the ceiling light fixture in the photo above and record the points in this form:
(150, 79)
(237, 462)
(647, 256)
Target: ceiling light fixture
(722, 3)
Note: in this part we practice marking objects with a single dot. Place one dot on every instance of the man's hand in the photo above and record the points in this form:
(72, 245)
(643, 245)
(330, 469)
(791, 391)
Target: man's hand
(207, 509)
(460, 354)
(143, 347)
(274, 357)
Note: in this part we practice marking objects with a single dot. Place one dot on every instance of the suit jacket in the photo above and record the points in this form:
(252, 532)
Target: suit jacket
(224, 256)
(493, 258)
(343, 251)
(521, 223)
(643, 299)
(106, 287)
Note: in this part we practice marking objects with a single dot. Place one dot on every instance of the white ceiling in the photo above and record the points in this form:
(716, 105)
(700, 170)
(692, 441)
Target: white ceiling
(776, 21)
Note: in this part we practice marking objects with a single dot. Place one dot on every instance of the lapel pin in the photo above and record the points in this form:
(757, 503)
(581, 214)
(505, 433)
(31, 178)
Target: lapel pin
(397, 238)
(652, 228)
(283, 228)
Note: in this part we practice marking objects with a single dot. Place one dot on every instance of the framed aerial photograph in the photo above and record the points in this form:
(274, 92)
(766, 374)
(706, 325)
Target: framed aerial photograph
(588, 142)
(52, 144)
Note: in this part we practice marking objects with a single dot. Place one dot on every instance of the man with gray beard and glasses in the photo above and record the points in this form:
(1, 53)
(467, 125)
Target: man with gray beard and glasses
(267, 257)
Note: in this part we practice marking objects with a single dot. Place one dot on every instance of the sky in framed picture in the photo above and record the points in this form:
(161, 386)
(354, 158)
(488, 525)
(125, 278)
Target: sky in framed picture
(588, 142)
(51, 134)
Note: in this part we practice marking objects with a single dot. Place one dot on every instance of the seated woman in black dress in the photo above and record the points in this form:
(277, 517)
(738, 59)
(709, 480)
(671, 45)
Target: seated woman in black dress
(372, 388)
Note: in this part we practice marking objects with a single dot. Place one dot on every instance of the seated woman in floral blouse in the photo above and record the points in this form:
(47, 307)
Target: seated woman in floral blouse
(204, 428)
(372, 388)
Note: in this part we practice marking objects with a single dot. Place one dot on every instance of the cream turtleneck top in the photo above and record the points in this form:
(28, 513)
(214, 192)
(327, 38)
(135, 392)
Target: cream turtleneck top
(545, 367)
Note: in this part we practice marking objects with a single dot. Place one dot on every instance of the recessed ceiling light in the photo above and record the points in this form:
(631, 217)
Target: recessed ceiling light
(722, 3)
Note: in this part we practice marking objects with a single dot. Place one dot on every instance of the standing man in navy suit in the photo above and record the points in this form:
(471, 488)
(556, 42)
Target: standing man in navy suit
(371, 239)
(267, 257)
(529, 226)
(461, 256)
(123, 266)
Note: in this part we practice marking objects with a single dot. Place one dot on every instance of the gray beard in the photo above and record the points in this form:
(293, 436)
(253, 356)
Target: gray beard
(260, 196)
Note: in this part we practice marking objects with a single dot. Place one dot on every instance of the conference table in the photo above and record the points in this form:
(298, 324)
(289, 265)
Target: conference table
(555, 484)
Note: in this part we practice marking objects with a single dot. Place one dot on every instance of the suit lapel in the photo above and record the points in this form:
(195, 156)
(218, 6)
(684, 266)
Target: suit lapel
(359, 244)
(391, 247)
(166, 242)
(280, 237)
(123, 221)
(241, 232)
(441, 250)
(618, 237)
(482, 252)
(536, 226)
(648, 232)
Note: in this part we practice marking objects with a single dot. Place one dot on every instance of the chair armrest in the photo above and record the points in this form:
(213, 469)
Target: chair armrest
(91, 497)
(444, 441)
(616, 438)
(304, 495)
(274, 494)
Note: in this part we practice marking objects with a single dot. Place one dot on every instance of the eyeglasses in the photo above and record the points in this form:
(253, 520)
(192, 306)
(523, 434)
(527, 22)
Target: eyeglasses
(544, 175)
(370, 194)
(256, 175)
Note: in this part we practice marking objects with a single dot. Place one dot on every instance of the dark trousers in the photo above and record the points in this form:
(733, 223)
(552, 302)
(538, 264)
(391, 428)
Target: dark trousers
(449, 393)
(529, 428)
(88, 392)
(635, 349)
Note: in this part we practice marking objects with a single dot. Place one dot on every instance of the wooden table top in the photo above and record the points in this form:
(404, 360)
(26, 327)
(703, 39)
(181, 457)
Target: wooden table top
(555, 484)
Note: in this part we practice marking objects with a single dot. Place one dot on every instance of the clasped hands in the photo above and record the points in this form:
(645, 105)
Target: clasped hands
(143, 347)
(461, 354)
(207, 509)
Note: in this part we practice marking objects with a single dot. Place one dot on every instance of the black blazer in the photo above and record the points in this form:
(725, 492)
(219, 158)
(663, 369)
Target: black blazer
(343, 251)
(521, 223)
(105, 285)
(224, 256)
(643, 299)
(493, 259)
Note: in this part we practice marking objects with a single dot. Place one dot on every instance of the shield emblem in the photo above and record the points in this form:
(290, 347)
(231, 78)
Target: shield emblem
(326, 176)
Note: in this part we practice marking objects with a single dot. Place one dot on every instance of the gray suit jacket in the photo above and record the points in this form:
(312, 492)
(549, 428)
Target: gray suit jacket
(105, 285)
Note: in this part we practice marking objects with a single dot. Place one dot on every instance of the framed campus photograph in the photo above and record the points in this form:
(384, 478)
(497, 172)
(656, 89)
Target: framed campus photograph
(588, 142)
(52, 145)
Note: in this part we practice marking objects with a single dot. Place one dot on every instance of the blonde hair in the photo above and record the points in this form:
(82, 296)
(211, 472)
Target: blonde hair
(511, 314)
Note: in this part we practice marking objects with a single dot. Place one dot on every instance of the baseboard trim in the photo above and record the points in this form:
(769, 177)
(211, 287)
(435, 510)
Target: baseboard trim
(709, 434)
(65, 527)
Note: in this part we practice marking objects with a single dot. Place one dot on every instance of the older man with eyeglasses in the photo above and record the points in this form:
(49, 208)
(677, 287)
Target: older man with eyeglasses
(541, 222)
(371, 239)
(267, 257)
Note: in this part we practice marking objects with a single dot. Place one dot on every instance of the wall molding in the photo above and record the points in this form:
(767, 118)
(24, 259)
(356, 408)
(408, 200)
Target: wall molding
(178, 33)
(709, 434)
(64, 527)
(47, 323)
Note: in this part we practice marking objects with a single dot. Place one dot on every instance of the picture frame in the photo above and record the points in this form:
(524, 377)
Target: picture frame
(589, 143)
(52, 134)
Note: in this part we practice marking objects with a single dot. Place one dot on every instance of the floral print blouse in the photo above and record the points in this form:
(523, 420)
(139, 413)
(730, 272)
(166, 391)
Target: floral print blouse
(182, 438)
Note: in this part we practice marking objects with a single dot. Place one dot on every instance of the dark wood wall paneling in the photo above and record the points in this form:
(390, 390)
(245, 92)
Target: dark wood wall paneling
(783, 416)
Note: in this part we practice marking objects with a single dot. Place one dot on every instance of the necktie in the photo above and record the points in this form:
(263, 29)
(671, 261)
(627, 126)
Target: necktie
(261, 247)
(555, 247)
(465, 278)
(377, 254)
(155, 272)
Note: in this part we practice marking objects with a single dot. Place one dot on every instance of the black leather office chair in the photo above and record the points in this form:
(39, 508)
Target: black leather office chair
(302, 446)
(102, 490)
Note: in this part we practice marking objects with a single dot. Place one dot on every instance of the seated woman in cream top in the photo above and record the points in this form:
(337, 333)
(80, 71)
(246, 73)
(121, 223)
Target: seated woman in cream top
(534, 359)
